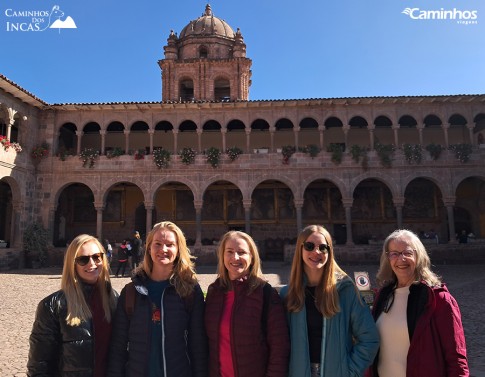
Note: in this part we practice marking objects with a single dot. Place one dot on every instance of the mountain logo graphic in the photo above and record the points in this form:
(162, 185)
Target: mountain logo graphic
(56, 12)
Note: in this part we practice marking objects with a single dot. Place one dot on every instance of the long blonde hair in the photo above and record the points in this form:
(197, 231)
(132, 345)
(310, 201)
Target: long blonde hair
(326, 293)
(77, 307)
(255, 277)
(183, 276)
(423, 272)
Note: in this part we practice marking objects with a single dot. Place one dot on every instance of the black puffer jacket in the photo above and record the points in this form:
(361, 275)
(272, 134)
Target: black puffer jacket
(56, 348)
(183, 326)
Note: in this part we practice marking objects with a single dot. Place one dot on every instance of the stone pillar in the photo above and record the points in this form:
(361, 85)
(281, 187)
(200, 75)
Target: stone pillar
(99, 220)
(199, 140)
(272, 131)
(127, 141)
(420, 128)
(321, 130)
(347, 203)
(299, 217)
(175, 141)
(445, 131)
(223, 134)
(346, 129)
(149, 219)
(79, 135)
(399, 204)
(11, 121)
(371, 129)
(247, 215)
(198, 223)
(150, 134)
(103, 141)
(395, 130)
(296, 131)
(248, 140)
(470, 133)
(450, 204)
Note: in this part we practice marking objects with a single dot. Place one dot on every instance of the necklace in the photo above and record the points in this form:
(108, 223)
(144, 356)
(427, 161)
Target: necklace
(308, 290)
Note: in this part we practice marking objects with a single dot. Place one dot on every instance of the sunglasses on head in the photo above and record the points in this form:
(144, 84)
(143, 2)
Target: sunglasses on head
(310, 246)
(84, 260)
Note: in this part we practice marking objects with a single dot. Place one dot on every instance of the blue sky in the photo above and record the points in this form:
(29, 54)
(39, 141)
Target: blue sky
(300, 49)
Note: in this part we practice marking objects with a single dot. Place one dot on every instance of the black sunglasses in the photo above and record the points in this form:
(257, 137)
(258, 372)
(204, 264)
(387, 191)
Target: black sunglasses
(84, 260)
(310, 246)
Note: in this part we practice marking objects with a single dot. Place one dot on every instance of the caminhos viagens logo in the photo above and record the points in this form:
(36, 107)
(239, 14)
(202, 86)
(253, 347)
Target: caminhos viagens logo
(465, 17)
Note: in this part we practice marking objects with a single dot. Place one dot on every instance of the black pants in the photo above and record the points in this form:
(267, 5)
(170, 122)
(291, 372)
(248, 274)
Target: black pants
(122, 265)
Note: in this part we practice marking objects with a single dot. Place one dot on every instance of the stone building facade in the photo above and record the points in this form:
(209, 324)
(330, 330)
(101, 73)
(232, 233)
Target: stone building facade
(360, 166)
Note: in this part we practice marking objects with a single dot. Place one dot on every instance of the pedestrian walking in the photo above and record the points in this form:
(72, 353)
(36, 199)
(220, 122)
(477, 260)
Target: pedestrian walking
(72, 326)
(123, 254)
(331, 330)
(137, 250)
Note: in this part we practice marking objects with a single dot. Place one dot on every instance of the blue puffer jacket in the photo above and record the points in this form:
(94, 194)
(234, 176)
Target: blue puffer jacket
(185, 348)
(349, 341)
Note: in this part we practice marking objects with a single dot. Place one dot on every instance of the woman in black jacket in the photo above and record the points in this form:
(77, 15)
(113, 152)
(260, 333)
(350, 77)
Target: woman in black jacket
(158, 328)
(72, 328)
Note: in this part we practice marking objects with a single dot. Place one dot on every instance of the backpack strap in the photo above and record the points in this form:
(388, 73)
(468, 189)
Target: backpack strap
(130, 297)
(267, 288)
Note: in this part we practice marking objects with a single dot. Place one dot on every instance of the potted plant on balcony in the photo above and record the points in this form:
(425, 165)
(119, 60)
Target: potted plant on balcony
(40, 151)
(187, 156)
(287, 151)
(140, 154)
(213, 156)
(434, 150)
(6, 144)
(161, 157)
(89, 156)
(311, 149)
(413, 153)
(462, 151)
(337, 151)
(385, 153)
(233, 153)
(115, 152)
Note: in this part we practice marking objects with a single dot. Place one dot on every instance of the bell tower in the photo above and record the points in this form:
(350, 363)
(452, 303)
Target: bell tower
(206, 62)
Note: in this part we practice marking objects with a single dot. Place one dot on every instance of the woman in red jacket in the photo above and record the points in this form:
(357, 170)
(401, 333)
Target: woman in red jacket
(419, 321)
(244, 317)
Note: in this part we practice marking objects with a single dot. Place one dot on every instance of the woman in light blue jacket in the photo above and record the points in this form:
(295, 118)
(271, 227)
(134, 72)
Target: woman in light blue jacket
(332, 332)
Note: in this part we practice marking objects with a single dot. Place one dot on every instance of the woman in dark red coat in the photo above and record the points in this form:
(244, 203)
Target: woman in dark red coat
(419, 321)
(244, 318)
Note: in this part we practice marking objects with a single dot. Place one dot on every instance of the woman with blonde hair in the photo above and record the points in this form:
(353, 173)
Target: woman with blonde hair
(244, 318)
(158, 329)
(72, 327)
(419, 321)
(331, 329)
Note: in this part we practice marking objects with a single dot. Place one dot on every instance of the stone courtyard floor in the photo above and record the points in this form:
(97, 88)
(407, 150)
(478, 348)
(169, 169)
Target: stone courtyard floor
(22, 290)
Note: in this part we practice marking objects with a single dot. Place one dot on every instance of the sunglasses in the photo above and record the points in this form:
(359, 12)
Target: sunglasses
(84, 260)
(310, 246)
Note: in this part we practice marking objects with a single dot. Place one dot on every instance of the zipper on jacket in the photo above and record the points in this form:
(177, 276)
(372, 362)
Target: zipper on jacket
(324, 345)
(162, 323)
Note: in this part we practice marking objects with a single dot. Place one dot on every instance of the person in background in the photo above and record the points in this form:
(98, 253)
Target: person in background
(246, 327)
(419, 321)
(109, 250)
(332, 333)
(122, 258)
(72, 327)
(137, 250)
(158, 328)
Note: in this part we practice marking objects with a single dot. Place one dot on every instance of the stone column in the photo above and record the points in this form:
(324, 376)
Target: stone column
(198, 223)
(399, 204)
(127, 141)
(103, 141)
(450, 204)
(79, 135)
(247, 215)
(321, 130)
(445, 131)
(296, 131)
(272, 131)
(347, 203)
(199, 140)
(150, 134)
(175, 141)
(371, 129)
(149, 219)
(223, 134)
(99, 220)
(299, 217)
(11, 121)
(248, 140)
(346, 129)
(420, 128)
(395, 130)
(470, 133)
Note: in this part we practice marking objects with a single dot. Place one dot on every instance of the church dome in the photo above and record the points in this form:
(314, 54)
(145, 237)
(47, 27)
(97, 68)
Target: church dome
(207, 25)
